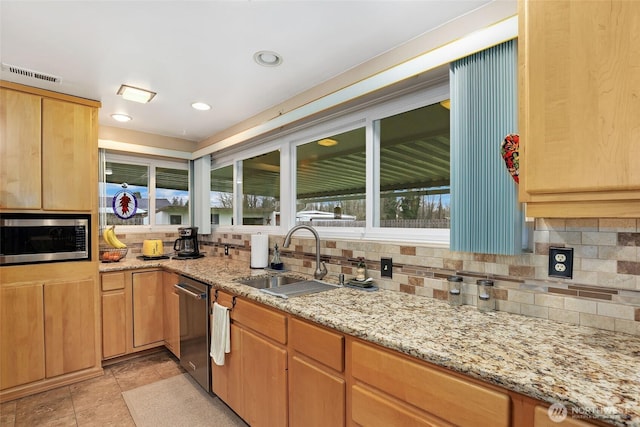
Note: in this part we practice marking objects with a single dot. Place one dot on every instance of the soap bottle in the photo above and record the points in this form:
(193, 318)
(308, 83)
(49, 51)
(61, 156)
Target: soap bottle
(276, 264)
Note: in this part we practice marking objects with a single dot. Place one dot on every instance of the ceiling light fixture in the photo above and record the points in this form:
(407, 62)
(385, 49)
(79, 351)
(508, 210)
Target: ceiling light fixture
(136, 94)
(446, 104)
(267, 58)
(201, 106)
(327, 142)
(121, 117)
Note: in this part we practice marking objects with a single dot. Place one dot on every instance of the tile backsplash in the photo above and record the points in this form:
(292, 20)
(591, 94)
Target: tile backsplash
(604, 292)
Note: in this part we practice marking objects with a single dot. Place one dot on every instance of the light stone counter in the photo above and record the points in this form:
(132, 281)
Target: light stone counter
(596, 372)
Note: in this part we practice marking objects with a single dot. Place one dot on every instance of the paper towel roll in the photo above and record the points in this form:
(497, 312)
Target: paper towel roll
(259, 250)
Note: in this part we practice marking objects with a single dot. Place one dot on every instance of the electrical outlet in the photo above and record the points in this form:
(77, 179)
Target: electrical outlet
(561, 262)
(386, 267)
(226, 249)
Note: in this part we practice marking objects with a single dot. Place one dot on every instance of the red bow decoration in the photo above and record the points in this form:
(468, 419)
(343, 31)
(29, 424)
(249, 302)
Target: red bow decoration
(509, 151)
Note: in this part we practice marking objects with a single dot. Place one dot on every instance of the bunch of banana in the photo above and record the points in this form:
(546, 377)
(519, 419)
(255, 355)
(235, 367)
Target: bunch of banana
(109, 236)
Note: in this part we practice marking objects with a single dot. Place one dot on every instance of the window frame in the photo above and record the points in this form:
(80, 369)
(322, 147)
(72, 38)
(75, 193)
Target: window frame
(151, 163)
(365, 115)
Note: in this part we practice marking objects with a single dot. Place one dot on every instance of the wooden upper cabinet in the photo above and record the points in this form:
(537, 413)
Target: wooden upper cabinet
(579, 108)
(20, 150)
(69, 152)
(48, 150)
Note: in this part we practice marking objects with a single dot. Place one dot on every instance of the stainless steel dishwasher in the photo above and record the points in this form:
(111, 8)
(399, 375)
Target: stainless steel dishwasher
(194, 330)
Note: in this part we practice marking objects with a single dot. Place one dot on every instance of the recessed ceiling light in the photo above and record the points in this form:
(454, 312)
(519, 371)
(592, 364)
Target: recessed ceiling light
(136, 94)
(121, 117)
(267, 58)
(446, 104)
(327, 142)
(201, 106)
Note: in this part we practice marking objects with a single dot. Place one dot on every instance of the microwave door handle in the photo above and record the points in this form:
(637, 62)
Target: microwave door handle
(180, 287)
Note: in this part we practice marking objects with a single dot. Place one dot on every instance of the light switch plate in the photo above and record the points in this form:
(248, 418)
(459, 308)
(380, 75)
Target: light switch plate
(386, 267)
(561, 262)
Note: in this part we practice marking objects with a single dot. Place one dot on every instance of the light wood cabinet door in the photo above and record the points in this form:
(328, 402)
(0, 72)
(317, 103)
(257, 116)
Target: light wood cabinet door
(69, 319)
(541, 419)
(21, 335)
(373, 409)
(316, 397)
(432, 390)
(227, 381)
(264, 376)
(171, 313)
(114, 324)
(20, 150)
(147, 290)
(579, 70)
(69, 156)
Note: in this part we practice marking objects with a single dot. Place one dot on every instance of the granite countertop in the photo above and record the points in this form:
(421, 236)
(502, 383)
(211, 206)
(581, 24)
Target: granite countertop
(595, 372)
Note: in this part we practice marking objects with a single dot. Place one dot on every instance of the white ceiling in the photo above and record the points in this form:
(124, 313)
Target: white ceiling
(190, 51)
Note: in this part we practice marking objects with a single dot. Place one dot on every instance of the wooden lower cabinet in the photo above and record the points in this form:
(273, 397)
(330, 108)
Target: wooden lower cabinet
(253, 379)
(132, 311)
(21, 334)
(436, 393)
(69, 326)
(264, 373)
(316, 396)
(541, 419)
(49, 331)
(148, 323)
(286, 371)
(317, 388)
(370, 407)
(171, 311)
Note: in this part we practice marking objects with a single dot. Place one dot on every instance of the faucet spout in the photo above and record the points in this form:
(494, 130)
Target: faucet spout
(321, 269)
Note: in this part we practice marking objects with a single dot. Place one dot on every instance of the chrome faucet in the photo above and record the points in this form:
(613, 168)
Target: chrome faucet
(321, 269)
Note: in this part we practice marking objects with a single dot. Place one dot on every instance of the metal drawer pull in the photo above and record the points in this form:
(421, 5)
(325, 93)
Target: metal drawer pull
(182, 288)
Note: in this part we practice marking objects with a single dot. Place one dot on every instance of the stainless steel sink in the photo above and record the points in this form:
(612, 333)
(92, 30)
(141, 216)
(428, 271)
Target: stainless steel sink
(266, 282)
(286, 286)
(299, 288)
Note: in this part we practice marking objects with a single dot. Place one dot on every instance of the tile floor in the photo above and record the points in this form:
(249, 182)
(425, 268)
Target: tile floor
(94, 402)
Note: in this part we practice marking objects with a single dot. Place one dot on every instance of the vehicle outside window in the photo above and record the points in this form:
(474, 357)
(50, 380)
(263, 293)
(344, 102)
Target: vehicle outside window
(331, 180)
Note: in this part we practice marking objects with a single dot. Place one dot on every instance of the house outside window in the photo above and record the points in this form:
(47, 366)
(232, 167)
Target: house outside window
(160, 188)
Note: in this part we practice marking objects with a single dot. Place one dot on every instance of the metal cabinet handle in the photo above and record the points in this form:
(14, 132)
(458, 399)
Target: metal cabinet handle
(182, 288)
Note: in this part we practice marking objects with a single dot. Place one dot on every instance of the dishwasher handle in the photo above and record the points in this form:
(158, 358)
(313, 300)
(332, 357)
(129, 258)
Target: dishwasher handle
(184, 288)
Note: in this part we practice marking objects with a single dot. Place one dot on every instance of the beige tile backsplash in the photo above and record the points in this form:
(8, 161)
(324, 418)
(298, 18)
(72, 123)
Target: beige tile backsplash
(604, 292)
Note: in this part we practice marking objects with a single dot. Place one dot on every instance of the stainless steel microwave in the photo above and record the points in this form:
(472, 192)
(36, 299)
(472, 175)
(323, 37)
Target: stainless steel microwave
(36, 238)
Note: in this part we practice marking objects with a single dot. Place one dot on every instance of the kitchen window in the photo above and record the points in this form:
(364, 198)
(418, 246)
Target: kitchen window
(160, 187)
(331, 180)
(414, 181)
(375, 172)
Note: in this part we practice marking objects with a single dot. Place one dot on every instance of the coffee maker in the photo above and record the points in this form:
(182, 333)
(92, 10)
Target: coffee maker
(186, 246)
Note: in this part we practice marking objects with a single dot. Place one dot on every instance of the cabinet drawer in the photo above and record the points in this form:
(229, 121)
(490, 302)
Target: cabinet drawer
(261, 319)
(372, 409)
(112, 281)
(318, 343)
(445, 396)
(541, 419)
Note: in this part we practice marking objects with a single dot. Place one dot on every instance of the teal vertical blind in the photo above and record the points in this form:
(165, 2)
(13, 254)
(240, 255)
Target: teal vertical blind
(485, 214)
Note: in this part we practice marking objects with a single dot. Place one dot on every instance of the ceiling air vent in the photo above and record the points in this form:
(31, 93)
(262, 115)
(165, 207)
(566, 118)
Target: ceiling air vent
(25, 72)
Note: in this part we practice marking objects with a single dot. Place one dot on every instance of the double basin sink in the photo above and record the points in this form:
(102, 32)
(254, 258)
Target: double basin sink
(286, 286)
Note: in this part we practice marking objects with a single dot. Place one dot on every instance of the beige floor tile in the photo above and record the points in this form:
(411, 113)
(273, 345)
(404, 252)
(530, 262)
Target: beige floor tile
(133, 378)
(8, 414)
(111, 412)
(50, 408)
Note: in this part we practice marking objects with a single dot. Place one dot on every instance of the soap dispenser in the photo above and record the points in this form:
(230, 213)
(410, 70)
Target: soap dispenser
(276, 264)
